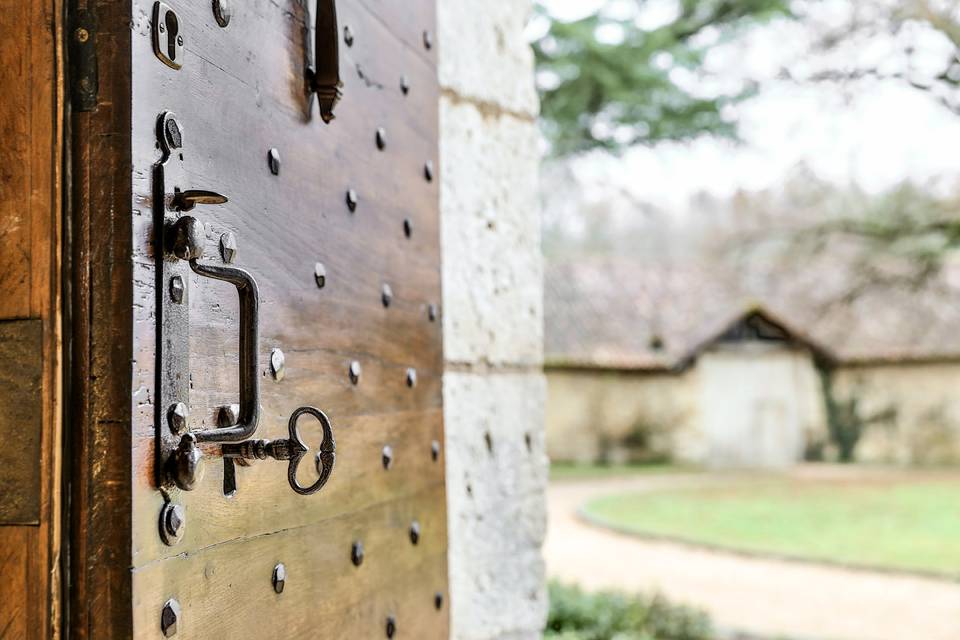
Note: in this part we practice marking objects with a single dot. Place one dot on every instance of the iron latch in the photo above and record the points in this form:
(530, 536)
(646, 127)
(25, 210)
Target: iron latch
(323, 77)
(181, 241)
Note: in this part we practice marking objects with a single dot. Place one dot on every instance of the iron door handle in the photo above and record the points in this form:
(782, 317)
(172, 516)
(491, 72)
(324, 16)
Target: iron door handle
(293, 449)
(249, 295)
(187, 242)
(324, 77)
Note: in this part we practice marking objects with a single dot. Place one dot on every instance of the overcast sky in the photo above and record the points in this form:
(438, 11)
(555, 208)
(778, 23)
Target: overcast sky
(875, 134)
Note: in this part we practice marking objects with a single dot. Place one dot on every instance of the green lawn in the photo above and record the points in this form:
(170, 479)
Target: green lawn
(903, 523)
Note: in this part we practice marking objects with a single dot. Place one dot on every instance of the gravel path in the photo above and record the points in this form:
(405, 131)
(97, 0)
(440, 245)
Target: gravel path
(761, 596)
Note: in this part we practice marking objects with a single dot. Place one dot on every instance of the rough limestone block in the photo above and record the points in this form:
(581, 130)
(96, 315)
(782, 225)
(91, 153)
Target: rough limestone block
(496, 487)
(492, 261)
(484, 54)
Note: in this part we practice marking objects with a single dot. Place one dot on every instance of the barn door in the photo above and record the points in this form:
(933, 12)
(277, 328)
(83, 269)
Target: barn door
(286, 422)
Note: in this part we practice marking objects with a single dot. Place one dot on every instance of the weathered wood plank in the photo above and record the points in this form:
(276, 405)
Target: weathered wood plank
(16, 65)
(226, 590)
(264, 503)
(30, 209)
(15, 567)
(100, 593)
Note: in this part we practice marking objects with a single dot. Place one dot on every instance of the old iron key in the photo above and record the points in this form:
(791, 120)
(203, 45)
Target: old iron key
(292, 449)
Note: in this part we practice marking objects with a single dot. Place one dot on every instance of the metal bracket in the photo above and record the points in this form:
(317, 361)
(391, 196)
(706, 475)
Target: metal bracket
(84, 76)
(173, 310)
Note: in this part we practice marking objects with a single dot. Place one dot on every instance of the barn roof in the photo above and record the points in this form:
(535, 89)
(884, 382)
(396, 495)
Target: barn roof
(617, 313)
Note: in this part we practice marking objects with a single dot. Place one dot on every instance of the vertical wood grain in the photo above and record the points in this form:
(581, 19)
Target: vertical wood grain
(101, 282)
(31, 113)
(14, 566)
(15, 156)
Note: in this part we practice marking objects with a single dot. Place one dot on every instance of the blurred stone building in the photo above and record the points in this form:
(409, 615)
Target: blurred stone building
(651, 362)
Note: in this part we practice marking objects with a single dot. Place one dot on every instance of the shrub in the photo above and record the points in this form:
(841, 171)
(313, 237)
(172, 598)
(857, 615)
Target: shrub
(845, 420)
(612, 615)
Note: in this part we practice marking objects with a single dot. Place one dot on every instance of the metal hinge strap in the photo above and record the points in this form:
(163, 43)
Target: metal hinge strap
(84, 75)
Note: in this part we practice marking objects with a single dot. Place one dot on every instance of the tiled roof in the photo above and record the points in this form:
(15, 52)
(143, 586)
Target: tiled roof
(625, 314)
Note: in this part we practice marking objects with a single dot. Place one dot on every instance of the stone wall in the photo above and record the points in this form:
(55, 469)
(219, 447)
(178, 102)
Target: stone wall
(744, 405)
(618, 416)
(912, 411)
(492, 320)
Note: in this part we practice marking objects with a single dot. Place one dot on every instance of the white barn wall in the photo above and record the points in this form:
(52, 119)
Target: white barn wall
(760, 405)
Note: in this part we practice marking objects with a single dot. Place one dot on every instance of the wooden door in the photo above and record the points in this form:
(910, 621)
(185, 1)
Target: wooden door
(206, 142)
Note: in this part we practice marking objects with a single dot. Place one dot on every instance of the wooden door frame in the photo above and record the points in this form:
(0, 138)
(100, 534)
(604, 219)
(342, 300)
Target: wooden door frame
(98, 444)
(32, 101)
